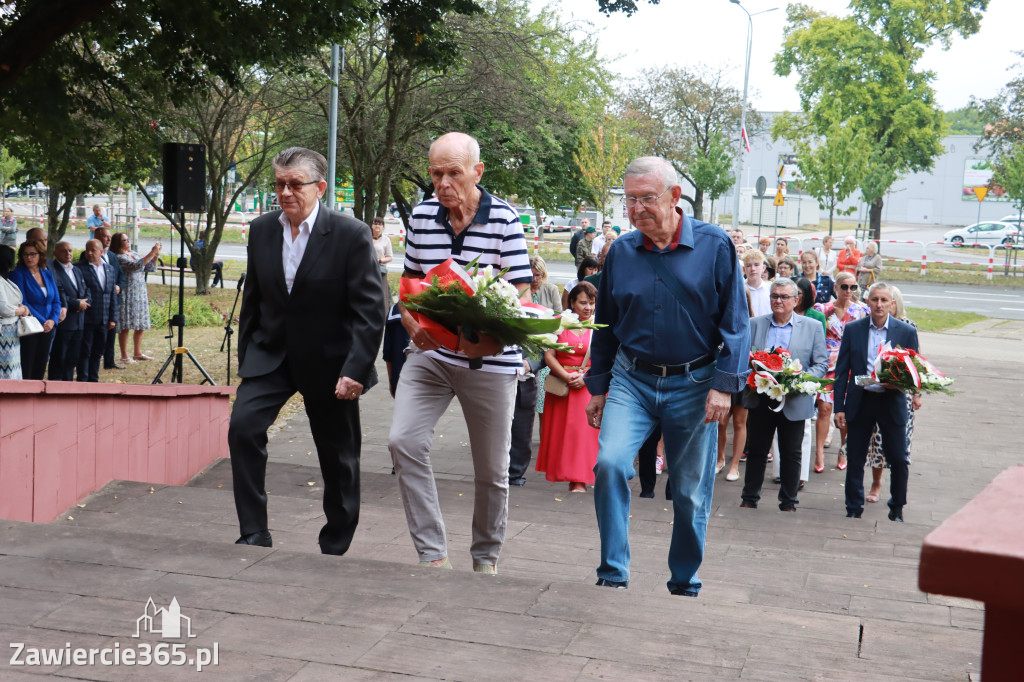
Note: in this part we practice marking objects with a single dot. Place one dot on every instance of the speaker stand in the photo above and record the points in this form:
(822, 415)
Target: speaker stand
(178, 321)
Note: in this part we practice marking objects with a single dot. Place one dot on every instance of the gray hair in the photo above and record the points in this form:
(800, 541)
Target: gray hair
(652, 165)
(871, 246)
(876, 285)
(312, 162)
(897, 296)
(786, 282)
(472, 146)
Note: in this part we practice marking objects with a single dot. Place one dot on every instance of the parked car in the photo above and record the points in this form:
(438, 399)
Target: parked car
(991, 232)
(16, 192)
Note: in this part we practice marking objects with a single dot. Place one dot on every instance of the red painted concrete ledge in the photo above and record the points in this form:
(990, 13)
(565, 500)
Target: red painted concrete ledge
(60, 440)
(978, 553)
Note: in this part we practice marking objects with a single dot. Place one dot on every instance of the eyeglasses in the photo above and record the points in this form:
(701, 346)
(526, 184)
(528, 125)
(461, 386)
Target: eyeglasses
(293, 186)
(646, 201)
(31, 254)
(848, 287)
(781, 297)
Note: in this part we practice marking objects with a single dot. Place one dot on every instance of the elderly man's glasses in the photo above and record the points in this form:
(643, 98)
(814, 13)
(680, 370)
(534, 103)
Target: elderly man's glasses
(781, 297)
(293, 186)
(647, 201)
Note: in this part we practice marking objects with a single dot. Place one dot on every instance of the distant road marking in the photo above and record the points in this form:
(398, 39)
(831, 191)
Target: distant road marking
(973, 299)
(971, 293)
(1019, 310)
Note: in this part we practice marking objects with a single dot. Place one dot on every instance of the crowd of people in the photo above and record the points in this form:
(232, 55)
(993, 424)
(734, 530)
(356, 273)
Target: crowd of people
(59, 320)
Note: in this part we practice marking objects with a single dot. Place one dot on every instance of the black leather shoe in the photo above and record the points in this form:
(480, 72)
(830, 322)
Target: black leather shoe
(853, 515)
(113, 366)
(777, 480)
(517, 481)
(680, 592)
(259, 539)
(896, 514)
(647, 493)
(787, 509)
(602, 582)
(747, 505)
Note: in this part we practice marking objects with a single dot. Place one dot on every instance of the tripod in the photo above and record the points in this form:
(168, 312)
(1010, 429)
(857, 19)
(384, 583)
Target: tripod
(228, 330)
(178, 321)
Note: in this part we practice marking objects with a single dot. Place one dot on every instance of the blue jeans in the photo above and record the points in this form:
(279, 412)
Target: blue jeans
(636, 403)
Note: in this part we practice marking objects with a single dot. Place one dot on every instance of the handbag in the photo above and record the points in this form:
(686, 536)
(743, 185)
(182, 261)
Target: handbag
(29, 325)
(556, 386)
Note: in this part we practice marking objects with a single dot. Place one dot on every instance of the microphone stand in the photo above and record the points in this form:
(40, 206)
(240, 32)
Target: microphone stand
(228, 330)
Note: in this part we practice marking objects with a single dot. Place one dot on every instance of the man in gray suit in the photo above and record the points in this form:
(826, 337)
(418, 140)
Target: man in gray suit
(804, 338)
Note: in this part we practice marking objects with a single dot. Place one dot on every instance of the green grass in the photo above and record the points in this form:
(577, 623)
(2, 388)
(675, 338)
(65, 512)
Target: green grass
(930, 320)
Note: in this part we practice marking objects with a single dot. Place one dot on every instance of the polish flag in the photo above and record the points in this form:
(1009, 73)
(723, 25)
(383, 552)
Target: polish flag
(746, 140)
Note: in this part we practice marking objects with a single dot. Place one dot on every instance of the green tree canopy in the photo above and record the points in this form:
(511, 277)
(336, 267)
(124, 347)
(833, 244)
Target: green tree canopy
(868, 62)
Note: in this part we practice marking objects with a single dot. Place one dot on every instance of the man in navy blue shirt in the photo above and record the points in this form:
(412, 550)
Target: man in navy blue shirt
(676, 347)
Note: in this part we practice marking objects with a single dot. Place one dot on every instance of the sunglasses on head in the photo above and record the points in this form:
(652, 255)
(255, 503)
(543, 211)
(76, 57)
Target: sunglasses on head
(848, 287)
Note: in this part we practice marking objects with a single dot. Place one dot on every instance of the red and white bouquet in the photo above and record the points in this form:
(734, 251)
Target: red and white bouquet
(776, 374)
(906, 369)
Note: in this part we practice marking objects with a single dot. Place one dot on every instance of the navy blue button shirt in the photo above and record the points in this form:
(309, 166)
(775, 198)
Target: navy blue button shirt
(824, 287)
(644, 317)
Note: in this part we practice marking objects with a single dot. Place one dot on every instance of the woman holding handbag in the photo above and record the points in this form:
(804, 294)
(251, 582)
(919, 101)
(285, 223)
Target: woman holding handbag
(568, 445)
(11, 310)
(39, 291)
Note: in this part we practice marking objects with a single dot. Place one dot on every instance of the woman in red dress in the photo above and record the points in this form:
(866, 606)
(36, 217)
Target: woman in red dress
(568, 444)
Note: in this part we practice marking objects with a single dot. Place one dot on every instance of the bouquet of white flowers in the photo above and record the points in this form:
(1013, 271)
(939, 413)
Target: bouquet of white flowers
(449, 303)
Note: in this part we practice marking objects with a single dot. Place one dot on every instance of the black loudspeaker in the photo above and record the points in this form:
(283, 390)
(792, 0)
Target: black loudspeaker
(184, 178)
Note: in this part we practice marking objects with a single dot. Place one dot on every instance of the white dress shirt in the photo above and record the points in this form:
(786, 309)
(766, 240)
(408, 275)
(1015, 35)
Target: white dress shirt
(876, 337)
(101, 274)
(292, 250)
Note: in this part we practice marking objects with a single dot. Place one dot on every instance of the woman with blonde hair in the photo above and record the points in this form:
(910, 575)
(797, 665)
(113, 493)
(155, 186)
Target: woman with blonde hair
(838, 313)
(543, 292)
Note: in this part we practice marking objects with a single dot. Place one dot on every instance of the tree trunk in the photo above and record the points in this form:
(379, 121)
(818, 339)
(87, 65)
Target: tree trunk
(875, 220)
(698, 204)
(831, 212)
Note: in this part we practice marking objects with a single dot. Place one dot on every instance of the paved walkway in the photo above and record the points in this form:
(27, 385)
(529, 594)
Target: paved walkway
(811, 595)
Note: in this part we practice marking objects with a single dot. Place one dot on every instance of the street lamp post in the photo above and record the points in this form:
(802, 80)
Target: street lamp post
(743, 109)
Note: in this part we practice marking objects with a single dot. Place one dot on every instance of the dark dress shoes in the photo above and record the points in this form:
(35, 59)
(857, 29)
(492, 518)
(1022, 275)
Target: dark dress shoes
(259, 538)
(647, 493)
(680, 592)
(602, 582)
(854, 515)
(896, 514)
(113, 366)
(748, 505)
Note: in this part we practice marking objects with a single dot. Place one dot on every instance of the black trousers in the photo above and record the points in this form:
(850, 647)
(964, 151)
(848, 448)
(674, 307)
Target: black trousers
(108, 351)
(762, 425)
(647, 455)
(875, 409)
(94, 342)
(525, 413)
(35, 349)
(67, 344)
(335, 427)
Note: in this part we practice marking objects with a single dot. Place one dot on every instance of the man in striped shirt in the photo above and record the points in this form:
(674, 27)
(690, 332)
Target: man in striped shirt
(463, 221)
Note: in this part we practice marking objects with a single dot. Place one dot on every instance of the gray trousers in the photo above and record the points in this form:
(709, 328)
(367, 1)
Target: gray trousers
(425, 389)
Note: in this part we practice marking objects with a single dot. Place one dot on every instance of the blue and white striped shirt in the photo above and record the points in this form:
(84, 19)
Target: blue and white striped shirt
(495, 236)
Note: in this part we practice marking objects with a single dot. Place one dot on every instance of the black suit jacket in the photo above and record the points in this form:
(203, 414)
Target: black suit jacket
(102, 300)
(72, 291)
(853, 358)
(331, 323)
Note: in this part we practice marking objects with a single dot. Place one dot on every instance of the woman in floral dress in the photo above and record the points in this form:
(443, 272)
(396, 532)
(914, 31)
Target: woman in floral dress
(837, 313)
(133, 305)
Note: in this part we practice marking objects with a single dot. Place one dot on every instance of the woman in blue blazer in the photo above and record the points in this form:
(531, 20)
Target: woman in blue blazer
(39, 289)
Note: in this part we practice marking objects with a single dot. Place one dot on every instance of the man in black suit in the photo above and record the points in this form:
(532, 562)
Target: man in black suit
(67, 342)
(101, 314)
(311, 321)
(860, 408)
(103, 235)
